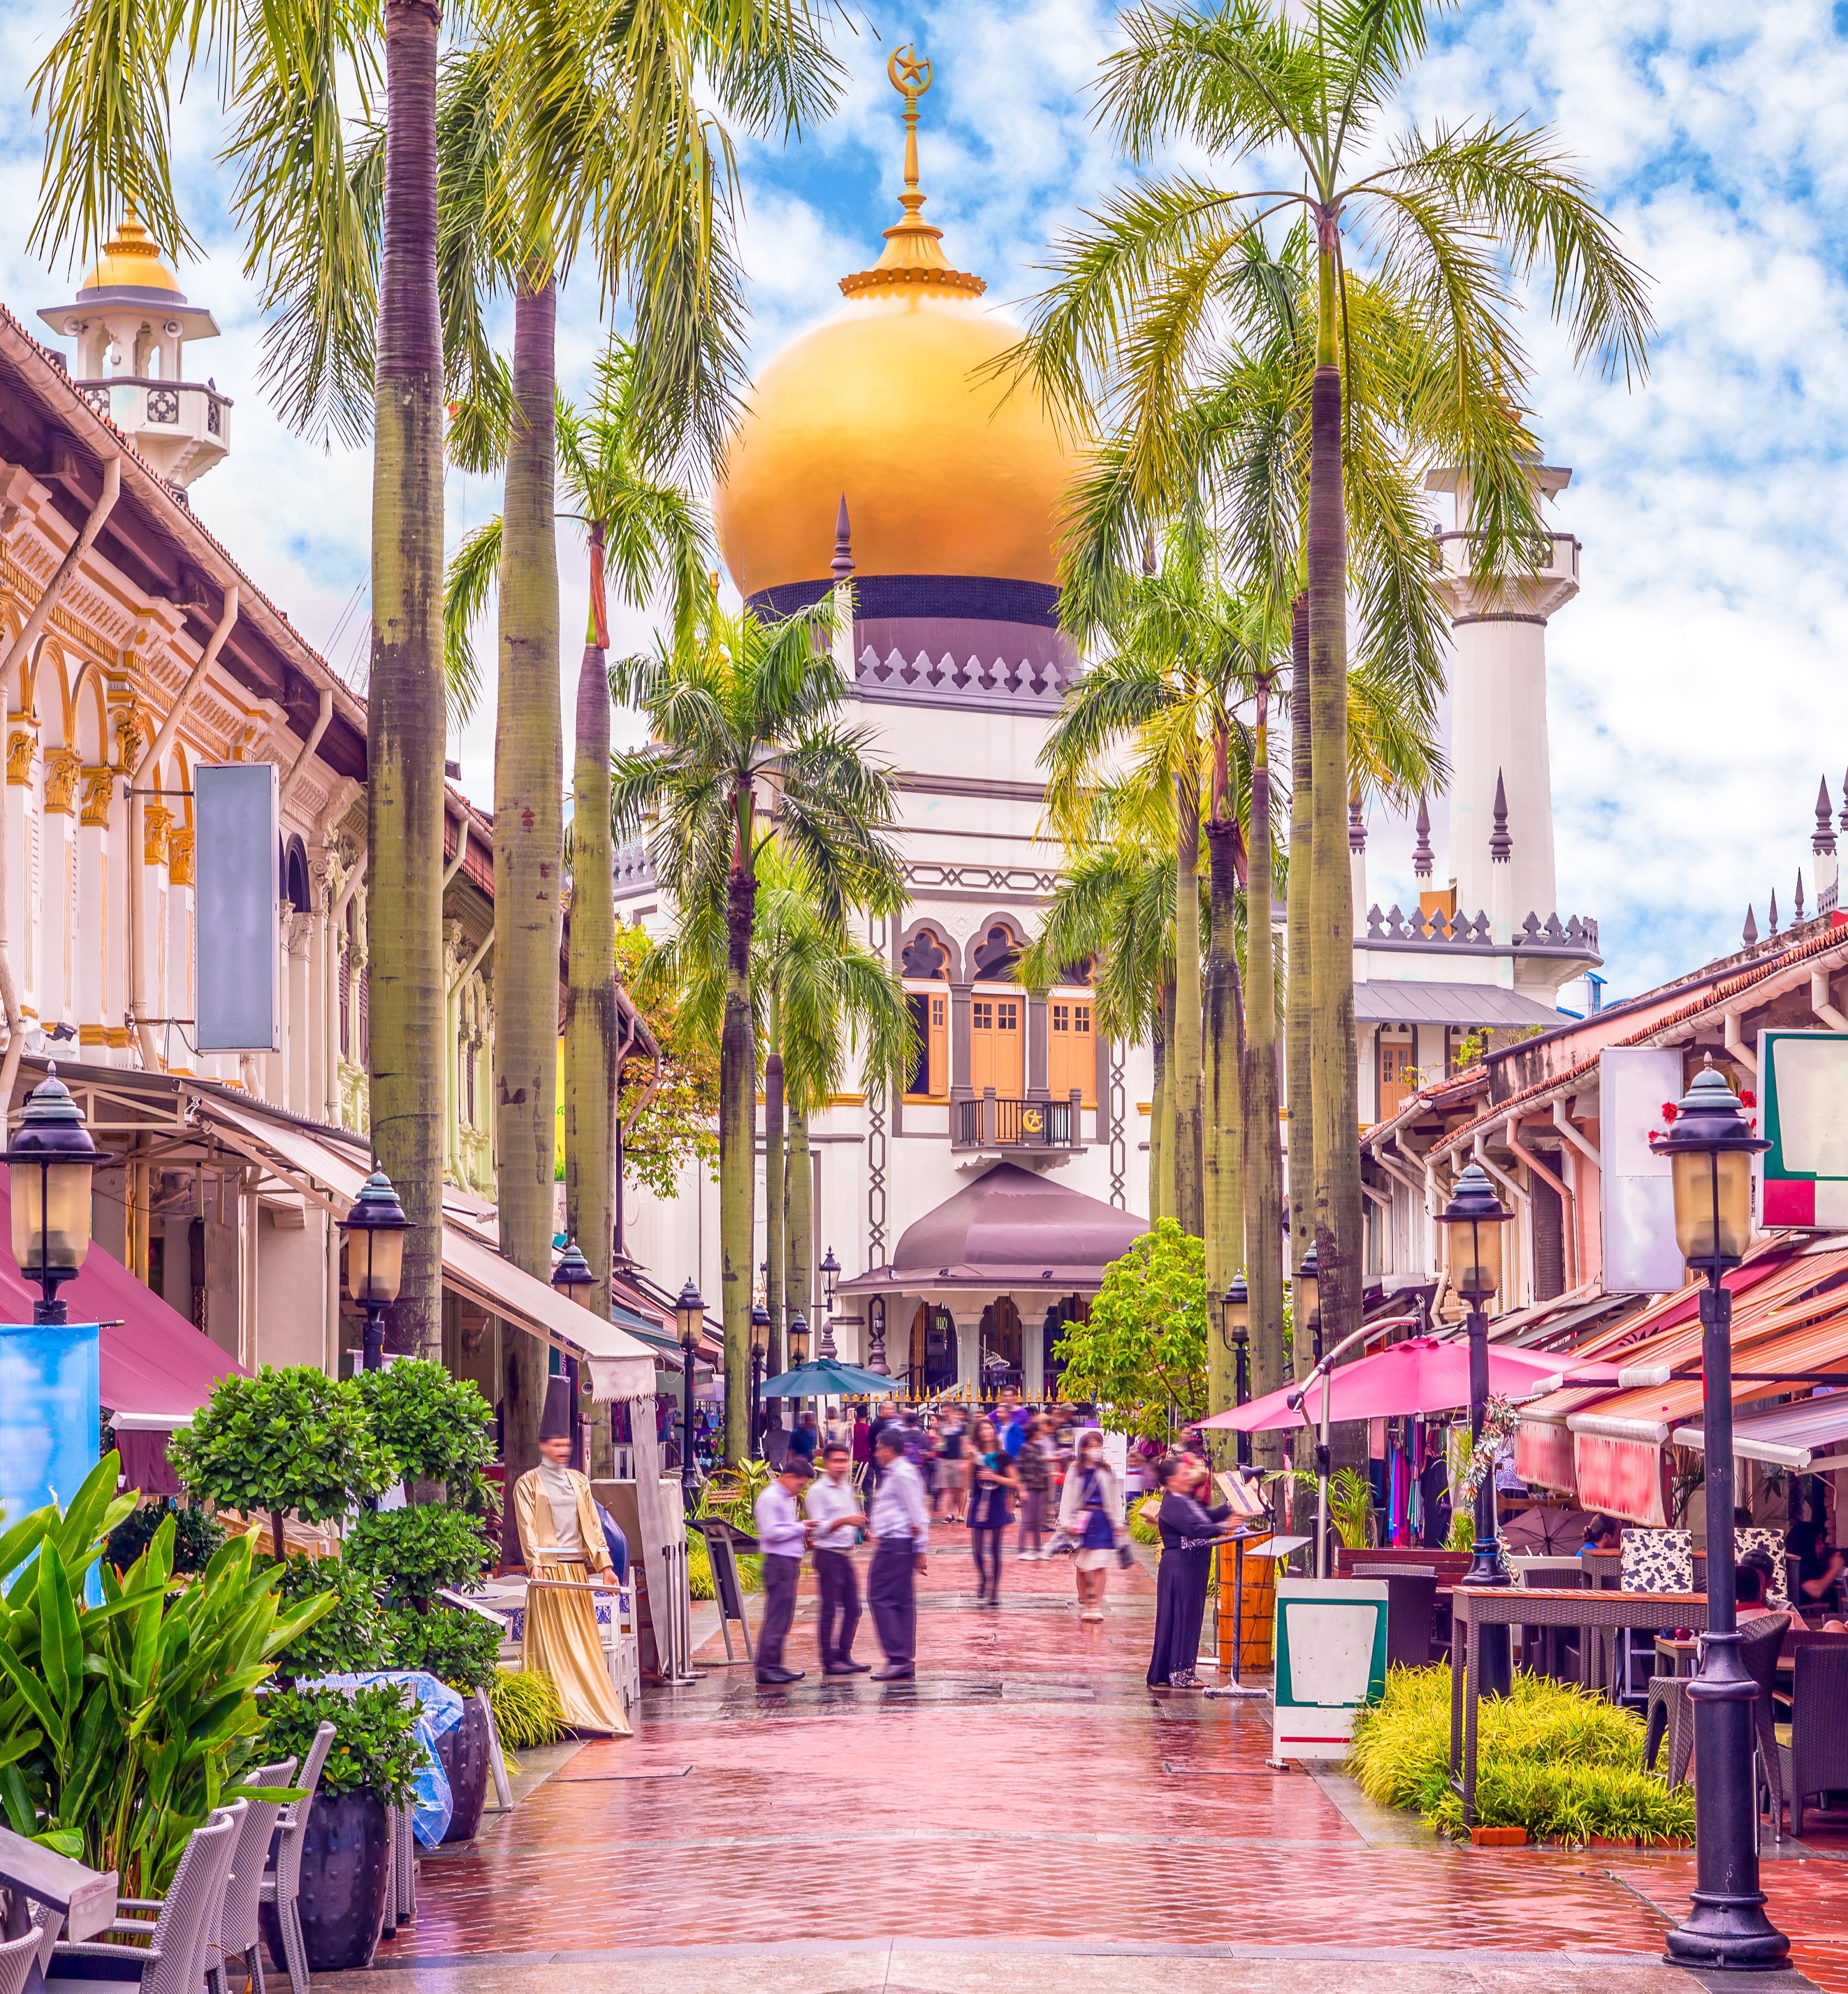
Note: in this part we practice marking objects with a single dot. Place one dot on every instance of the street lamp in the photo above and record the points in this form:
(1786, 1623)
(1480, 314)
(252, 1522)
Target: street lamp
(49, 1162)
(377, 1224)
(1710, 1146)
(1307, 1309)
(572, 1275)
(831, 1272)
(1473, 1220)
(798, 1341)
(760, 1345)
(689, 1313)
(1234, 1333)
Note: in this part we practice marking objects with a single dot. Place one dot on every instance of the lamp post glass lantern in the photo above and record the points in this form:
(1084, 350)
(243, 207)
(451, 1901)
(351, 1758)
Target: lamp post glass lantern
(1472, 1222)
(375, 1230)
(572, 1276)
(1234, 1333)
(1306, 1299)
(49, 1162)
(689, 1316)
(760, 1345)
(830, 1272)
(1709, 1146)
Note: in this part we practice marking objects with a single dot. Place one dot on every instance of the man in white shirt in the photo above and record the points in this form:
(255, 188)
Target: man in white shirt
(781, 1536)
(834, 1515)
(901, 1522)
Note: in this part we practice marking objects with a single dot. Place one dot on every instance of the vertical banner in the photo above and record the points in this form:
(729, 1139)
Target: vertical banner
(1636, 1196)
(235, 937)
(50, 1403)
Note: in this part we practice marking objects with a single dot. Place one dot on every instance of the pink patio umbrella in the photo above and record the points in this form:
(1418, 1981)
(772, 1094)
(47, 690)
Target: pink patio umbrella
(1421, 1375)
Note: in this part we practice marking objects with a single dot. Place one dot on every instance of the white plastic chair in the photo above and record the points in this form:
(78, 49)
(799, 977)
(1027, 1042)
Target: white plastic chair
(169, 1947)
(239, 1934)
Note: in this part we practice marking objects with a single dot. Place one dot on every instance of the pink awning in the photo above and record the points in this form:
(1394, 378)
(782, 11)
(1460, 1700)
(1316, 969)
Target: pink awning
(154, 1362)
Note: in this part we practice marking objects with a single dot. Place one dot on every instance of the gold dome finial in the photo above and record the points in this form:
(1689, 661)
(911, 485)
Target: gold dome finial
(913, 254)
(131, 259)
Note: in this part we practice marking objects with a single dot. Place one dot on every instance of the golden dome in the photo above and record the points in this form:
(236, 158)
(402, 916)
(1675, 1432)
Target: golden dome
(944, 472)
(131, 261)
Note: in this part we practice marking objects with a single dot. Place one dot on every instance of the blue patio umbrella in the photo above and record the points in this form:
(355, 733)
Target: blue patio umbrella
(824, 1379)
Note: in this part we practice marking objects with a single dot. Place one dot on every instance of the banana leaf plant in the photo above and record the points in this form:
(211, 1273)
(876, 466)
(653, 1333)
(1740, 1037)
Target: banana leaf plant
(123, 1725)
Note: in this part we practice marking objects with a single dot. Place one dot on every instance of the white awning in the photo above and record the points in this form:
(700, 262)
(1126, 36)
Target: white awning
(1383, 1001)
(329, 1172)
(1795, 1436)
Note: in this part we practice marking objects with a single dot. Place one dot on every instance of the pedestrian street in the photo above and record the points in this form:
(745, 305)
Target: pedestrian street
(1025, 1814)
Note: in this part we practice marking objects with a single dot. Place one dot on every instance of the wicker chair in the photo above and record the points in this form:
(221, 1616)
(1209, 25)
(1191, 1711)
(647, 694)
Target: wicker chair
(1759, 1641)
(168, 1954)
(1812, 1750)
(281, 1882)
(238, 1935)
(17, 1958)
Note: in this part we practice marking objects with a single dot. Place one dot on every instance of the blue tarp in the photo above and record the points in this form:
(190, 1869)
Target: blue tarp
(439, 1710)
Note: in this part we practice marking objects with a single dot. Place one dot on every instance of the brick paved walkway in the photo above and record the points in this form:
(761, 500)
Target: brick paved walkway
(1026, 1813)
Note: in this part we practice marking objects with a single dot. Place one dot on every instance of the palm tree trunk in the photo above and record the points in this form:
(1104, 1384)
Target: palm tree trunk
(406, 718)
(1158, 1185)
(1189, 1204)
(1297, 1086)
(738, 1158)
(592, 1026)
(799, 1235)
(1225, 1131)
(1264, 1199)
(776, 1213)
(528, 846)
(1165, 1106)
(1332, 1050)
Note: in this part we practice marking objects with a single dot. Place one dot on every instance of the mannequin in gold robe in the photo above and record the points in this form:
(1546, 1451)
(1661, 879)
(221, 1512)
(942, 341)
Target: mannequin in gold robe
(562, 1540)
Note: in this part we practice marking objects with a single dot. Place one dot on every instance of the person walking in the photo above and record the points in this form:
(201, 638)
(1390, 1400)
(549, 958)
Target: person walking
(862, 1448)
(805, 1439)
(834, 1515)
(1033, 1465)
(994, 1488)
(1188, 1532)
(882, 1418)
(1091, 1512)
(900, 1522)
(782, 1535)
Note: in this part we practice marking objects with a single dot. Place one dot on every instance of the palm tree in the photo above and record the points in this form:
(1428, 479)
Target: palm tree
(818, 997)
(746, 744)
(1452, 223)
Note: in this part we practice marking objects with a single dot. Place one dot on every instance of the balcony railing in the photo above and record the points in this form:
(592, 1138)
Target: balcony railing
(992, 1121)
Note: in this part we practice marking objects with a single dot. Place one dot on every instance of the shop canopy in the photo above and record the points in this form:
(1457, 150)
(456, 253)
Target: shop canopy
(1807, 1434)
(157, 1369)
(329, 1172)
(1421, 1375)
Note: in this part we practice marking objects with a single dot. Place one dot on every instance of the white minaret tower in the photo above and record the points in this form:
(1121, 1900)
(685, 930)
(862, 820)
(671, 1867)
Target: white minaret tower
(1498, 729)
(133, 327)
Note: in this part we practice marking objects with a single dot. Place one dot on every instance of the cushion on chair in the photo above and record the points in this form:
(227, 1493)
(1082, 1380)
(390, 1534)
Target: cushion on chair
(1659, 1560)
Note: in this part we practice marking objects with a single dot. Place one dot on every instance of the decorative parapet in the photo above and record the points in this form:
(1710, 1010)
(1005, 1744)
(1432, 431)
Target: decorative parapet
(1038, 686)
(633, 869)
(1576, 937)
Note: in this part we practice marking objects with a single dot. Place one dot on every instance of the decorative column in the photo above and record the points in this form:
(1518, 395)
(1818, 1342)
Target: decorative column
(299, 1034)
(177, 983)
(21, 870)
(92, 980)
(58, 926)
(1037, 1018)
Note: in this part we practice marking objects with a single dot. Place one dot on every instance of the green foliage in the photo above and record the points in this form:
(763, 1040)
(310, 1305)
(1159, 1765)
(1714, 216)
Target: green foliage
(1144, 1347)
(195, 1537)
(526, 1708)
(123, 1725)
(1351, 1508)
(375, 1741)
(350, 1640)
(1463, 1530)
(1551, 1758)
(411, 1554)
(283, 1440)
(458, 1648)
(436, 1427)
(681, 1122)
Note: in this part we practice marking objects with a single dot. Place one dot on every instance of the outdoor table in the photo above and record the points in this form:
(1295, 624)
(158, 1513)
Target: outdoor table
(1473, 1606)
(1681, 1655)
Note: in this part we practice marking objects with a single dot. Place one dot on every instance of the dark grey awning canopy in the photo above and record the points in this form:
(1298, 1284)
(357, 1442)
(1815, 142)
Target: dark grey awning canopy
(1394, 1003)
(1010, 1228)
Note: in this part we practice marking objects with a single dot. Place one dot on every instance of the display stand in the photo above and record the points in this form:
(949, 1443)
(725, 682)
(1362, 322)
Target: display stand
(723, 1541)
(1330, 1659)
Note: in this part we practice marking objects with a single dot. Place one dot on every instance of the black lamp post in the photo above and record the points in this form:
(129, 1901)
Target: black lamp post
(689, 1313)
(1473, 1220)
(375, 1230)
(1235, 1331)
(1306, 1310)
(49, 1161)
(572, 1276)
(760, 1345)
(798, 1341)
(830, 1272)
(1710, 1146)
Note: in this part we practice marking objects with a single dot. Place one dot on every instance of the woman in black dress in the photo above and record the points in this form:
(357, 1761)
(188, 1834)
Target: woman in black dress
(1189, 1530)
(994, 1485)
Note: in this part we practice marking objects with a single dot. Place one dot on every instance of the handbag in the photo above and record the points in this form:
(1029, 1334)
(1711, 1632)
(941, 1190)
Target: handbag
(1126, 1557)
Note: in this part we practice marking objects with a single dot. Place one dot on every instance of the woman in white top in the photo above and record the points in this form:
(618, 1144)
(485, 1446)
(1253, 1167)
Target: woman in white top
(1091, 1510)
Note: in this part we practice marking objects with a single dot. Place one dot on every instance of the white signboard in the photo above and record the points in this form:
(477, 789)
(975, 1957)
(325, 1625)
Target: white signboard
(1636, 1196)
(235, 927)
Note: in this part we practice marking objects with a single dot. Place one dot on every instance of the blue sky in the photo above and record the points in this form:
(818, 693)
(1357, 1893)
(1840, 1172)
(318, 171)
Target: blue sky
(1696, 691)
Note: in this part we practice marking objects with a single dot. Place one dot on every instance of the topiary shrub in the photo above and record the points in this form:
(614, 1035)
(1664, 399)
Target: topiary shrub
(351, 1640)
(458, 1648)
(437, 1428)
(410, 1555)
(375, 1744)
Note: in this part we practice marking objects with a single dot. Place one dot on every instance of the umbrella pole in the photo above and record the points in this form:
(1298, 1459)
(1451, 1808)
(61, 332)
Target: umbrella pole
(1322, 1487)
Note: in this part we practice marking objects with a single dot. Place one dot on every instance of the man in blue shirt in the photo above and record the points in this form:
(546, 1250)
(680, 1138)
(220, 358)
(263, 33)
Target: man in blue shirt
(783, 1535)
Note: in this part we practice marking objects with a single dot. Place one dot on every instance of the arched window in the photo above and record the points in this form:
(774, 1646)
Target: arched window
(924, 959)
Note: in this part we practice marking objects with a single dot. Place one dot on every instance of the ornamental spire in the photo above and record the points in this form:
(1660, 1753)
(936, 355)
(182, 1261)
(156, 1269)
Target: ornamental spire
(1822, 844)
(1501, 846)
(1421, 854)
(914, 252)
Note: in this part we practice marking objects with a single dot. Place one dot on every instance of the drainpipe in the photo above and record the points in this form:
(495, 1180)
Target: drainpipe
(1820, 1005)
(164, 740)
(1737, 1046)
(299, 764)
(461, 853)
(29, 635)
(1563, 1121)
(1569, 1205)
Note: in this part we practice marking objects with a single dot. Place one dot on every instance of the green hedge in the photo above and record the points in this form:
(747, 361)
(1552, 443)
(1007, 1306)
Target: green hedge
(1565, 1764)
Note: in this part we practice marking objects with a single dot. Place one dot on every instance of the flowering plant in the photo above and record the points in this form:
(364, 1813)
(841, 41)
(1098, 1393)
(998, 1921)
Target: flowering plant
(1499, 1418)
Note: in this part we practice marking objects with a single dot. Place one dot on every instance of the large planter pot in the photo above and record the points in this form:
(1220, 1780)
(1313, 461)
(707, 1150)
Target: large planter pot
(463, 1754)
(344, 1878)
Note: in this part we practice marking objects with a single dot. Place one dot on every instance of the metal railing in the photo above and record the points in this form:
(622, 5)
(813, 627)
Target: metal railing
(992, 1121)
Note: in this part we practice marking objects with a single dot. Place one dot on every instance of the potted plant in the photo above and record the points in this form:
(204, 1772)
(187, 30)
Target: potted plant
(345, 1871)
(437, 1429)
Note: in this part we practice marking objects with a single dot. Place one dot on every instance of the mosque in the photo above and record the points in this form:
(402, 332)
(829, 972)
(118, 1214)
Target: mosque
(973, 1213)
